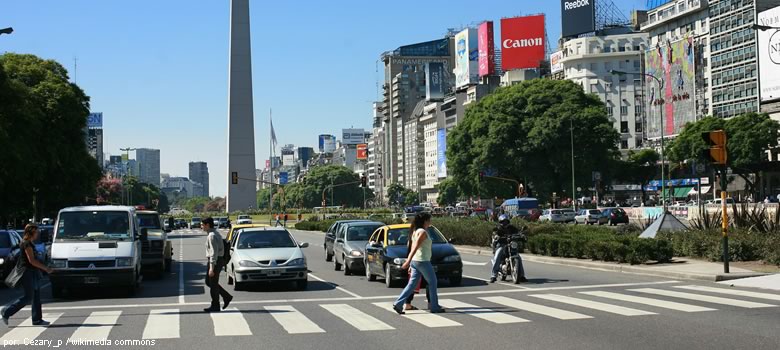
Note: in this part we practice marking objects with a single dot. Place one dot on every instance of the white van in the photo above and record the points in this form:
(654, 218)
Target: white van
(96, 246)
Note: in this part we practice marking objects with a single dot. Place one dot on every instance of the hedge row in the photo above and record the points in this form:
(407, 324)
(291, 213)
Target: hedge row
(601, 246)
(743, 245)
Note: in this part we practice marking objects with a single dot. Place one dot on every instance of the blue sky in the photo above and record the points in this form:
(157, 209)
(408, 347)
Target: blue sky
(158, 69)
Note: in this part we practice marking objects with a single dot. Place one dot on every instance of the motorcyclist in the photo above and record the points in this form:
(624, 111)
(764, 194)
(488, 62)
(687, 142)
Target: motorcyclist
(501, 235)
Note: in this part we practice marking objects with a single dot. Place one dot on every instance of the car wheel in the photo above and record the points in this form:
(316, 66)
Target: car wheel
(301, 284)
(336, 265)
(455, 281)
(328, 257)
(56, 291)
(388, 280)
(370, 277)
(347, 271)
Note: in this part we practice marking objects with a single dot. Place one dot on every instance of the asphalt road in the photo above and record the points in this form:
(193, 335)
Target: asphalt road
(560, 308)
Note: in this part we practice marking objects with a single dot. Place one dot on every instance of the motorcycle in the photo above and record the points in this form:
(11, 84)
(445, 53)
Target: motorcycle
(511, 256)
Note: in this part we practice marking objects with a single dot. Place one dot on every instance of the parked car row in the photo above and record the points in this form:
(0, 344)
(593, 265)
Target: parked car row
(379, 250)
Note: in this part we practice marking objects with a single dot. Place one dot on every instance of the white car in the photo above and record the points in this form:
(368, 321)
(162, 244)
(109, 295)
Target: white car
(553, 215)
(244, 220)
(266, 254)
(590, 217)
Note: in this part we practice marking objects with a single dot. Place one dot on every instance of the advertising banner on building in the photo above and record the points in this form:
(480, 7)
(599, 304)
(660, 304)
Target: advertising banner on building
(283, 177)
(288, 159)
(672, 63)
(555, 62)
(327, 143)
(769, 55)
(441, 153)
(434, 81)
(362, 151)
(267, 163)
(577, 17)
(522, 42)
(352, 136)
(466, 57)
(95, 120)
(487, 49)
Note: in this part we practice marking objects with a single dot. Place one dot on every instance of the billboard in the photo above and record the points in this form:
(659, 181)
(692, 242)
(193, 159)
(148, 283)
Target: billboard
(434, 81)
(267, 163)
(327, 143)
(288, 159)
(95, 120)
(673, 64)
(466, 57)
(577, 17)
(283, 177)
(487, 49)
(769, 55)
(362, 151)
(441, 153)
(522, 42)
(352, 136)
(555, 62)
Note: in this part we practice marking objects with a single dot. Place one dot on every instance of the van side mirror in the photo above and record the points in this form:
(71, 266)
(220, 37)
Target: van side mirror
(144, 234)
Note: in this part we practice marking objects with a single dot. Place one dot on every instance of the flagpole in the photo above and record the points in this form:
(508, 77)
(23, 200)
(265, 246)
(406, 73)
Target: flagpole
(271, 166)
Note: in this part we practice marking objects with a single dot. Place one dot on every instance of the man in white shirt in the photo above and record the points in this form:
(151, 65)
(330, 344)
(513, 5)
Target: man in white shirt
(215, 250)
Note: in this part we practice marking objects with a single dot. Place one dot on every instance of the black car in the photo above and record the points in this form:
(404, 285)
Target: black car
(386, 251)
(330, 237)
(615, 216)
(350, 245)
(8, 240)
(180, 224)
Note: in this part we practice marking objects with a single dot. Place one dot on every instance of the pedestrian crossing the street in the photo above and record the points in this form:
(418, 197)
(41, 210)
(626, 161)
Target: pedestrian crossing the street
(518, 310)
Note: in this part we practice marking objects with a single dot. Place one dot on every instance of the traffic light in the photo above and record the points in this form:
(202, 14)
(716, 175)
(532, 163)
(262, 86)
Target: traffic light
(363, 181)
(716, 143)
(379, 170)
(234, 178)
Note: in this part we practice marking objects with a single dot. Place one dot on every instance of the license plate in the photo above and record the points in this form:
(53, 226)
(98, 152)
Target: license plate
(91, 280)
(273, 272)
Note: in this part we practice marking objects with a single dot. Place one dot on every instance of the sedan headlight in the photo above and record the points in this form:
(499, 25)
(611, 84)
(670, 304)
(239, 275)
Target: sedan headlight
(296, 262)
(356, 253)
(120, 262)
(451, 258)
(58, 263)
(399, 261)
(248, 263)
(2, 261)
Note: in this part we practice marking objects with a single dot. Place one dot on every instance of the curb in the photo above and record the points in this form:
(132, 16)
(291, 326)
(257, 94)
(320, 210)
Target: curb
(593, 265)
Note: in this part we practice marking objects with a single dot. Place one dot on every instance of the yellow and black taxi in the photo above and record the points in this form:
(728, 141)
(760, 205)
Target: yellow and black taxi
(234, 231)
(387, 250)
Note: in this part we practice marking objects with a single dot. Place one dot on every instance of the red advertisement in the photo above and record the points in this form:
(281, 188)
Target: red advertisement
(522, 42)
(487, 49)
(267, 163)
(362, 151)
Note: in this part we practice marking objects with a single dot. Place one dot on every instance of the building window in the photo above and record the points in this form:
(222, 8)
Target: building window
(624, 144)
(610, 111)
(624, 126)
(623, 110)
(636, 64)
(638, 126)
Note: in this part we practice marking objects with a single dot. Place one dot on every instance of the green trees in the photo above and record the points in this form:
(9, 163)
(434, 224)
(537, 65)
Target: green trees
(309, 192)
(398, 195)
(42, 121)
(448, 192)
(641, 167)
(522, 132)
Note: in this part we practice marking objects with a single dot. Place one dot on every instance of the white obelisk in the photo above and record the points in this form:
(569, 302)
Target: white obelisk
(241, 128)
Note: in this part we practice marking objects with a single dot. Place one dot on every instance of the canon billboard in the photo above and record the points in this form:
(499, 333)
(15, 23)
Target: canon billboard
(522, 42)
(577, 17)
(487, 49)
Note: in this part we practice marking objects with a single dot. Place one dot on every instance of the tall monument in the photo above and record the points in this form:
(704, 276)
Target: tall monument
(241, 129)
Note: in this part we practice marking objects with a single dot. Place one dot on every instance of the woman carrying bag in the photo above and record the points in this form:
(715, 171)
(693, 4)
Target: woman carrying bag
(27, 273)
(420, 261)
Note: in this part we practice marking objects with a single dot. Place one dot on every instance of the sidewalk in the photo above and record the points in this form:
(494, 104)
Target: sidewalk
(680, 268)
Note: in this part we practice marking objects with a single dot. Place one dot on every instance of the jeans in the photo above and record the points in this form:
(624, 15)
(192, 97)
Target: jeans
(213, 283)
(499, 257)
(32, 293)
(421, 269)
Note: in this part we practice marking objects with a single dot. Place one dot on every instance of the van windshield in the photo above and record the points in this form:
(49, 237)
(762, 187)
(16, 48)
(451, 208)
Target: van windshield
(94, 225)
(149, 221)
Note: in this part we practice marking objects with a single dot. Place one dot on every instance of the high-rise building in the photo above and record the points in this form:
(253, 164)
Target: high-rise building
(148, 166)
(303, 155)
(93, 137)
(199, 173)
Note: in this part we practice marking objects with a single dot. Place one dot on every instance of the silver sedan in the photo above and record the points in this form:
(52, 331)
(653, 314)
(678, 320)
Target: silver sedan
(266, 254)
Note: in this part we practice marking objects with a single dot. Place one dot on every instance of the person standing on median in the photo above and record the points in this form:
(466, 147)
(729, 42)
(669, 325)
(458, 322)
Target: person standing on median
(215, 251)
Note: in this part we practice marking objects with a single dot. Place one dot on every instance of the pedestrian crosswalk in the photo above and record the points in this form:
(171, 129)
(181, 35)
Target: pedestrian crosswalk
(520, 309)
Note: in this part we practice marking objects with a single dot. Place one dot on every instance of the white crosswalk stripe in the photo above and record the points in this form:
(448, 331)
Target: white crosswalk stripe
(26, 330)
(702, 297)
(356, 318)
(615, 309)
(97, 326)
(230, 322)
(424, 318)
(162, 324)
(292, 320)
(536, 308)
(738, 292)
(476, 311)
(649, 301)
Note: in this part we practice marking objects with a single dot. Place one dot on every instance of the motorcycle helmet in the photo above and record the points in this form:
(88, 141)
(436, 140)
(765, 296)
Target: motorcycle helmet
(503, 219)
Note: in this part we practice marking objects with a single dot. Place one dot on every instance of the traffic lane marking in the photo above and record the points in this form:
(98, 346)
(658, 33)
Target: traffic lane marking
(330, 299)
(354, 295)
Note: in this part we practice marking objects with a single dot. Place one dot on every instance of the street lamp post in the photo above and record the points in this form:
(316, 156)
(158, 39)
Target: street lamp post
(661, 114)
(573, 194)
